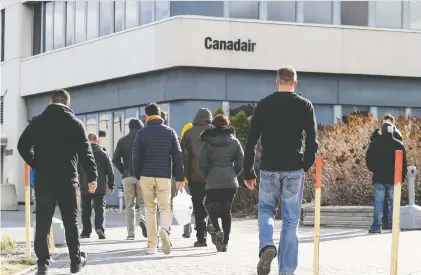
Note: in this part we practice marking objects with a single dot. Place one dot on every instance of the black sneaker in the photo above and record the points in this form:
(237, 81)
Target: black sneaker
(219, 241)
(101, 234)
(387, 226)
(186, 236)
(371, 231)
(75, 268)
(266, 258)
(200, 244)
(85, 236)
(142, 224)
(212, 232)
(225, 247)
(42, 270)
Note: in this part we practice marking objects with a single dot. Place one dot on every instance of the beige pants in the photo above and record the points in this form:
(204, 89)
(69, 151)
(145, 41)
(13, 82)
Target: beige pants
(132, 195)
(156, 191)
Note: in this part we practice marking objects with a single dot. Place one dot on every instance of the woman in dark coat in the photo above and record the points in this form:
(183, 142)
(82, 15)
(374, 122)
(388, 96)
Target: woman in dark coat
(221, 162)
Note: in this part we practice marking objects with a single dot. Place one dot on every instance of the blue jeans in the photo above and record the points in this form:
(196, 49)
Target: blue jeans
(286, 188)
(380, 191)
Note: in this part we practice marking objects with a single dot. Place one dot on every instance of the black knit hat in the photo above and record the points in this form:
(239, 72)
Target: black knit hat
(135, 124)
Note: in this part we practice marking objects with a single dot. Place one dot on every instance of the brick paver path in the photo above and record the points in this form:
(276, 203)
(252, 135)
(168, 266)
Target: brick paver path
(342, 252)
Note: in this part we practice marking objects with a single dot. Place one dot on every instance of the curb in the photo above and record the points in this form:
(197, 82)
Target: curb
(33, 267)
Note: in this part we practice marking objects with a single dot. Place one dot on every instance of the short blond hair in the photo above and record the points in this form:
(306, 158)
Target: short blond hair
(286, 75)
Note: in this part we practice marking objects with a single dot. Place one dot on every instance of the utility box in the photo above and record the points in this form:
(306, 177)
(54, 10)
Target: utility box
(411, 214)
(58, 232)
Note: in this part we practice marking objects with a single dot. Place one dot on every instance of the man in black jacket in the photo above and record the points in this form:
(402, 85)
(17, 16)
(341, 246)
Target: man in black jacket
(131, 186)
(53, 143)
(286, 124)
(156, 151)
(105, 179)
(380, 160)
(388, 118)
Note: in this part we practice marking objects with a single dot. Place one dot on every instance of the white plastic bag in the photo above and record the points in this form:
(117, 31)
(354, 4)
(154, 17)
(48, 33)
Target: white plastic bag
(182, 207)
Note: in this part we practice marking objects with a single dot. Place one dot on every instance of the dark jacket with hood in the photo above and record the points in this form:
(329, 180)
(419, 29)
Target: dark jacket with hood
(221, 160)
(380, 156)
(53, 143)
(124, 151)
(105, 172)
(396, 134)
(192, 145)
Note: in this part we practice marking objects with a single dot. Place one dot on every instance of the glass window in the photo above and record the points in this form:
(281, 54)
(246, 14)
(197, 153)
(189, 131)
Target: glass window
(145, 12)
(324, 114)
(80, 21)
(244, 9)
(104, 130)
(93, 20)
(36, 37)
(48, 26)
(105, 17)
(281, 11)
(131, 14)
(118, 127)
(129, 114)
(70, 23)
(394, 111)
(59, 8)
(91, 121)
(142, 114)
(351, 110)
(416, 112)
(388, 14)
(165, 107)
(415, 15)
(162, 10)
(119, 16)
(246, 107)
(318, 12)
(354, 13)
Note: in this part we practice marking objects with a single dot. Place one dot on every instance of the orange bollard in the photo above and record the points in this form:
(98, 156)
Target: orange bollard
(397, 190)
(318, 187)
(28, 211)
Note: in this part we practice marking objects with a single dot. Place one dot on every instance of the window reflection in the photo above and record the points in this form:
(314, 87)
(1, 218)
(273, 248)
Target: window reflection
(92, 24)
(91, 123)
(142, 115)
(59, 8)
(104, 130)
(129, 114)
(318, 12)
(354, 110)
(131, 14)
(162, 10)
(119, 16)
(416, 112)
(246, 107)
(324, 114)
(165, 107)
(244, 9)
(118, 127)
(354, 13)
(70, 22)
(48, 26)
(281, 11)
(394, 111)
(145, 12)
(80, 21)
(415, 15)
(106, 13)
(388, 14)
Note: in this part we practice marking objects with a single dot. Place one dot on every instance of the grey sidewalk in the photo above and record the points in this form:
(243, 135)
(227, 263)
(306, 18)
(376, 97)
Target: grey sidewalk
(342, 251)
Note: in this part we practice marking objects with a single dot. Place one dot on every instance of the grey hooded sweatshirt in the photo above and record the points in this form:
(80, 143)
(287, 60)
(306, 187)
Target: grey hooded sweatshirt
(221, 161)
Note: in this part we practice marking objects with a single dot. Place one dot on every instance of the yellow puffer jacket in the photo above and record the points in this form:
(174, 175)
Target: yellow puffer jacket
(185, 128)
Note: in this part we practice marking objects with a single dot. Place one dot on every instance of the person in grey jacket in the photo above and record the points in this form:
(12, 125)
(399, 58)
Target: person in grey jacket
(105, 181)
(221, 162)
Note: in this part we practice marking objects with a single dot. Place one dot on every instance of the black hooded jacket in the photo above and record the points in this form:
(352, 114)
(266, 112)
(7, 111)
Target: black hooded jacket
(123, 151)
(380, 157)
(396, 134)
(53, 143)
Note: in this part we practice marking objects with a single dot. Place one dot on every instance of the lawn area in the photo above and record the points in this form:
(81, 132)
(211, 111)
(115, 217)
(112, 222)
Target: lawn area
(13, 257)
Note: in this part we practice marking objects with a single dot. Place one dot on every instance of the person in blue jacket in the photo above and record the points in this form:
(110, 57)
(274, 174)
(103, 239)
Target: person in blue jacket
(31, 184)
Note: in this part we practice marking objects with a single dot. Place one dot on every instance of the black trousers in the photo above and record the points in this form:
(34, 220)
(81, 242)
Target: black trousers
(385, 219)
(99, 206)
(197, 191)
(47, 199)
(218, 204)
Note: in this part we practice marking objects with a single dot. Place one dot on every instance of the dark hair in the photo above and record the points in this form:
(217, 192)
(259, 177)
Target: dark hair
(389, 117)
(152, 109)
(164, 117)
(61, 96)
(135, 124)
(286, 75)
(220, 120)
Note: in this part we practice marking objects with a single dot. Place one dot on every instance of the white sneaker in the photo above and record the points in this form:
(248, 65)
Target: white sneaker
(165, 239)
(151, 251)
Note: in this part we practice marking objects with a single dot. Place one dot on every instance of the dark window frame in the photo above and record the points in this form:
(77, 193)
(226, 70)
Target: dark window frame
(3, 28)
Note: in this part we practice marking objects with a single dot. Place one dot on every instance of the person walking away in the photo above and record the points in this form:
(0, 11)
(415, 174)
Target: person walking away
(221, 162)
(122, 160)
(387, 219)
(192, 148)
(380, 160)
(105, 181)
(286, 123)
(187, 227)
(32, 184)
(156, 151)
(53, 143)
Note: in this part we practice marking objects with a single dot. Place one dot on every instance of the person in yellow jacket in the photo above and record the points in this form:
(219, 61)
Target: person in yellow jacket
(187, 227)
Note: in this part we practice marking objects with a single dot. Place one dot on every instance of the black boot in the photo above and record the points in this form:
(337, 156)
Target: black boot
(42, 270)
(76, 267)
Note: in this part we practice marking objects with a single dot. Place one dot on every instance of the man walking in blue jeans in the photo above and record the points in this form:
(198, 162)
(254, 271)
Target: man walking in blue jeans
(286, 124)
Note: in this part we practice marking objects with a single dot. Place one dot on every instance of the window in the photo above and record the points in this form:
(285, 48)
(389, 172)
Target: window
(104, 130)
(59, 8)
(105, 17)
(3, 21)
(93, 20)
(129, 114)
(351, 110)
(237, 107)
(281, 11)
(416, 112)
(388, 14)
(354, 13)
(48, 26)
(70, 23)
(80, 19)
(244, 9)
(318, 12)
(131, 14)
(324, 114)
(118, 129)
(83, 119)
(2, 108)
(165, 107)
(394, 111)
(119, 16)
(36, 37)
(142, 114)
(145, 12)
(162, 10)
(91, 123)
(415, 15)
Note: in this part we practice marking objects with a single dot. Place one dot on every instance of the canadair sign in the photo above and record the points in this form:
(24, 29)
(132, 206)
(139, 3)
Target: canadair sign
(229, 45)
